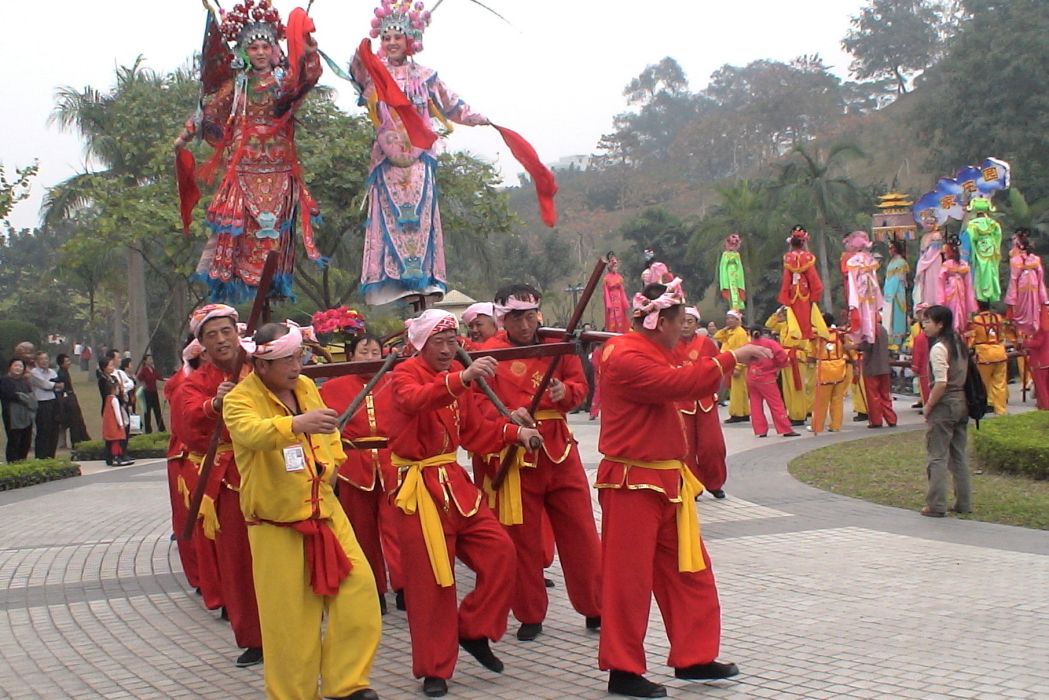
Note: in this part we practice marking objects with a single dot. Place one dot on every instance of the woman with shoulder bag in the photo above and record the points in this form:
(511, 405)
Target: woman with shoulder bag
(19, 409)
(946, 414)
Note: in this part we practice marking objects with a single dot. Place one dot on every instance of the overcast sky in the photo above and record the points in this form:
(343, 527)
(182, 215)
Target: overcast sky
(555, 74)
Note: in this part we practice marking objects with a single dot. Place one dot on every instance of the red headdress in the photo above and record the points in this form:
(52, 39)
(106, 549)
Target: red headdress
(249, 21)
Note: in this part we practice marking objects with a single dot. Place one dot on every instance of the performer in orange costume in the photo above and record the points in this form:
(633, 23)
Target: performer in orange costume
(367, 475)
(706, 440)
(198, 405)
(650, 530)
(442, 514)
(801, 286)
(555, 483)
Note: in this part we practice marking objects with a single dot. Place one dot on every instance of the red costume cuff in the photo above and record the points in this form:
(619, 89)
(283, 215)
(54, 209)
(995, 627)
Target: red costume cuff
(454, 383)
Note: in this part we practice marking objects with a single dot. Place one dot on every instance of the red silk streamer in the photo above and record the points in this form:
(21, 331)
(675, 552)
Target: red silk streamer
(388, 92)
(327, 563)
(545, 184)
(300, 25)
(188, 192)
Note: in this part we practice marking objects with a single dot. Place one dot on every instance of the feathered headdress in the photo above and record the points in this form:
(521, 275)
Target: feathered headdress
(250, 21)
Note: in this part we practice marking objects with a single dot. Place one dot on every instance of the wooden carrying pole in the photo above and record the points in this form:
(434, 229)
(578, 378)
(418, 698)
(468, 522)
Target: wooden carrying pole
(569, 332)
(257, 310)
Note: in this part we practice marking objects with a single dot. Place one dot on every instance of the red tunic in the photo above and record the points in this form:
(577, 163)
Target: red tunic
(434, 413)
(766, 370)
(363, 466)
(687, 352)
(640, 383)
(800, 287)
(515, 383)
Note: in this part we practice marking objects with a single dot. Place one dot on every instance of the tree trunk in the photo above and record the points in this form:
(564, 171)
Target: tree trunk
(138, 322)
(181, 313)
(821, 245)
(117, 320)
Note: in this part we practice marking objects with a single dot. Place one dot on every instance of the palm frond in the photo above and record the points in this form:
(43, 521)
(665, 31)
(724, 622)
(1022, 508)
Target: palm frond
(475, 2)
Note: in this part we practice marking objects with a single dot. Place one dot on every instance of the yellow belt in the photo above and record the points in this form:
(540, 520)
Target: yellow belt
(413, 497)
(689, 552)
(207, 513)
(506, 500)
(548, 414)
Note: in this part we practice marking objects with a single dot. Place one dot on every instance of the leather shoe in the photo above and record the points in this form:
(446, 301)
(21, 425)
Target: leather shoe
(707, 672)
(435, 687)
(633, 685)
(398, 601)
(859, 418)
(930, 513)
(791, 434)
(382, 604)
(737, 419)
(529, 631)
(250, 657)
(362, 694)
(479, 649)
(593, 622)
(717, 493)
(548, 582)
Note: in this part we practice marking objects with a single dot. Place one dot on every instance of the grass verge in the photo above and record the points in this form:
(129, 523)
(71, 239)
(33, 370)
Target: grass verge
(35, 471)
(890, 470)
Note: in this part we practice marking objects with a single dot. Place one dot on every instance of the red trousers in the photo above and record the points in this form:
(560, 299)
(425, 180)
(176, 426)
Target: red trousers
(767, 392)
(435, 621)
(706, 447)
(548, 542)
(234, 559)
(391, 544)
(563, 493)
(879, 399)
(207, 568)
(639, 536)
(1040, 377)
(362, 510)
(187, 551)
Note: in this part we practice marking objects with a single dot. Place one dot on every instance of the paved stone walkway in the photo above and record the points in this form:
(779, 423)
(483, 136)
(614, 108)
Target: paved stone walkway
(823, 597)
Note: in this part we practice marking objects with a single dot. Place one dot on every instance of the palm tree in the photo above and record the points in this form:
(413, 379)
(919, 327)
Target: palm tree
(816, 177)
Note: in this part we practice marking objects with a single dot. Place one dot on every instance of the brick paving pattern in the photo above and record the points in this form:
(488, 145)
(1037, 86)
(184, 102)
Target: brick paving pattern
(822, 597)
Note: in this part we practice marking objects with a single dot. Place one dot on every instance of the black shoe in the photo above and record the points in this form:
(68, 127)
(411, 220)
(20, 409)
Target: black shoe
(224, 614)
(737, 419)
(798, 422)
(363, 694)
(382, 604)
(399, 599)
(859, 418)
(874, 427)
(763, 435)
(479, 649)
(250, 657)
(717, 493)
(593, 622)
(435, 687)
(549, 583)
(791, 434)
(528, 631)
(633, 685)
(707, 672)
(916, 405)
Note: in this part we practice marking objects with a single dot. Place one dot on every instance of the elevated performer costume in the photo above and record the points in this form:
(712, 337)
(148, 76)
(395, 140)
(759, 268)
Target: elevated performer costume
(442, 514)
(865, 297)
(367, 476)
(956, 290)
(617, 306)
(731, 279)
(308, 564)
(650, 529)
(248, 116)
(985, 237)
(800, 287)
(894, 310)
(553, 481)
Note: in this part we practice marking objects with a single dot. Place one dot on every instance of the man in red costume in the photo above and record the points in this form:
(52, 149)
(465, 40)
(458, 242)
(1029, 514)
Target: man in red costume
(801, 286)
(480, 323)
(442, 514)
(650, 529)
(1037, 347)
(706, 441)
(178, 481)
(555, 483)
(196, 414)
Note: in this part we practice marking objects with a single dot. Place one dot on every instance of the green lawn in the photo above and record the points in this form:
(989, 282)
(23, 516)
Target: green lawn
(890, 470)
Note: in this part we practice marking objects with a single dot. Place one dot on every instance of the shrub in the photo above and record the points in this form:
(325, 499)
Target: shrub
(14, 332)
(144, 446)
(1014, 444)
(35, 471)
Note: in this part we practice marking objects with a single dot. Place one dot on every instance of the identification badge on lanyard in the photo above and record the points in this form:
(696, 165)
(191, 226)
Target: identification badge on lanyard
(294, 458)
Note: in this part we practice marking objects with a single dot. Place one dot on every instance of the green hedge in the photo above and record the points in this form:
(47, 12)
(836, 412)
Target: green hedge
(35, 471)
(1014, 444)
(144, 446)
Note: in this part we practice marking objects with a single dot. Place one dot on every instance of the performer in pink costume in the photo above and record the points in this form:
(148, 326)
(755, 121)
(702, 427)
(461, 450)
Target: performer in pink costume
(404, 240)
(927, 271)
(617, 306)
(956, 290)
(865, 296)
(763, 388)
(1026, 294)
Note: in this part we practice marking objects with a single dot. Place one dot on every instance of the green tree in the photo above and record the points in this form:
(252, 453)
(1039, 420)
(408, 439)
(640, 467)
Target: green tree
(14, 191)
(893, 39)
(816, 177)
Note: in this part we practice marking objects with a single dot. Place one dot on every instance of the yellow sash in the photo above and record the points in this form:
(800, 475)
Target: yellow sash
(506, 500)
(413, 497)
(689, 553)
(207, 514)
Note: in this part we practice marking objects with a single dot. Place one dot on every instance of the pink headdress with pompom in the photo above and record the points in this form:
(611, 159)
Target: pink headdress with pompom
(401, 17)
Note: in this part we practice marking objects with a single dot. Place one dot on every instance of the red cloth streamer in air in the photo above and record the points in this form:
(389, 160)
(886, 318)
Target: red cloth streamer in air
(188, 192)
(545, 184)
(299, 26)
(387, 91)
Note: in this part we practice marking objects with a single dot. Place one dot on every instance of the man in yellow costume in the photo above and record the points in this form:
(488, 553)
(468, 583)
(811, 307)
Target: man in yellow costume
(986, 337)
(732, 337)
(307, 563)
